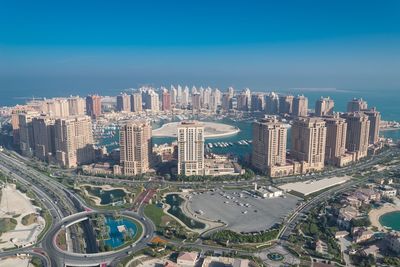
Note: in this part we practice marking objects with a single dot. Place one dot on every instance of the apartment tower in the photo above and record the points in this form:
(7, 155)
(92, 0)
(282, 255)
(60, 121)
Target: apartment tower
(190, 148)
(135, 147)
(269, 144)
(308, 143)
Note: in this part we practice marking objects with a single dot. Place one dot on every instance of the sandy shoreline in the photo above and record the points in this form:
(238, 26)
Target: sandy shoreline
(211, 130)
(375, 214)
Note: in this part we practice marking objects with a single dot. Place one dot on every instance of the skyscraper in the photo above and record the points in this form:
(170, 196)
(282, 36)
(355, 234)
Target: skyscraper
(271, 103)
(190, 148)
(124, 102)
(336, 130)
(73, 141)
(135, 147)
(374, 118)
(269, 144)
(324, 106)
(300, 106)
(26, 137)
(356, 104)
(286, 104)
(93, 106)
(44, 137)
(257, 102)
(196, 105)
(357, 133)
(308, 143)
(76, 106)
(136, 102)
(166, 101)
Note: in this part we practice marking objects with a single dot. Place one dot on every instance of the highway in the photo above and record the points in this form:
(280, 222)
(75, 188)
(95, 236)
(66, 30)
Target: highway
(65, 207)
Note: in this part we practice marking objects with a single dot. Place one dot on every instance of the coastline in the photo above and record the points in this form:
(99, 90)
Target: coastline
(169, 130)
(375, 214)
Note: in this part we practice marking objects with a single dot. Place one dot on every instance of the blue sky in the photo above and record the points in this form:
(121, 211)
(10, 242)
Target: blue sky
(103, 45)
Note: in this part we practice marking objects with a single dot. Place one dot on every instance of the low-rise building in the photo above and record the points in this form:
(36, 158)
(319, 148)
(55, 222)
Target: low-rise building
(361, 234)
(370, 250)
(187, 259)
(346, 214)
(224, 262)
(341, 234)
(393, 242)
(216, 165)
(267, 192)
(387, 191)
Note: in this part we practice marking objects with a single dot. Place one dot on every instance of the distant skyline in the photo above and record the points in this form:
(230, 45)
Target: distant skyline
(104, 46)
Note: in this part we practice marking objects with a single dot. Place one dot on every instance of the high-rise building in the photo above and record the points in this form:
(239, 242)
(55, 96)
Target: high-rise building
(336, 130)
(76, 106)
(73, 141)
(357, 135)
(300, 106)
(196, 105)
(166, 101)
(356, 104)
(374, 117)
(56, 107)
(226, 101)
(286, 104)
(185, 97)
(242, 102)
(174, 95)
(124, 102)
(215, 99)
(257, 102)
(44, 137)
(271, 103)
(135, 147)
(136, 102)
(269, 144)
(324, 106)
(190, 148)
(93, 106)
(26, 137)
(308, 143)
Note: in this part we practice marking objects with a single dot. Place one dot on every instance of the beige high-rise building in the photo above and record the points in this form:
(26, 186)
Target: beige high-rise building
(190, 148)
(357, 133)
(374, 117)
(286, 104)
(300, 106)
(136, 102)
(57, 107)
(324, 106)
(356, 104)
(26, 137)
(124, 102)
(269, 144)
(135, 147)
(73, 141)
(76, 106)
(335, 152)
(154, 101)
(308, 143)
(44, 137)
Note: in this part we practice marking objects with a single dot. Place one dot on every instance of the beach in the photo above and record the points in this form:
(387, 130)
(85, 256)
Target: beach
(375, 214)
(211, 130)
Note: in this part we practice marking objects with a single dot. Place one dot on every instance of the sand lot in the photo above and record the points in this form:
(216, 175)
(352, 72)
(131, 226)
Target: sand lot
(211, 130)
(15, 261)
(15, 204)
(255, 214)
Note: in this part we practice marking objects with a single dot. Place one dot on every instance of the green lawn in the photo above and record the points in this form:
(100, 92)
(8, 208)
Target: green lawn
(154, 213)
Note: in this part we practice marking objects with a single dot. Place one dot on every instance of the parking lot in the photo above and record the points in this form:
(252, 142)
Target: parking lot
(241, 210)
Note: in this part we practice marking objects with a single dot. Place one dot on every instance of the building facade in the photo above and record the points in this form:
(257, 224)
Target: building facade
(190, 148)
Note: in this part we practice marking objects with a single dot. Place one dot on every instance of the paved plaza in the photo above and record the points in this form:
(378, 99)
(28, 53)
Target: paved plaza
(240, 210)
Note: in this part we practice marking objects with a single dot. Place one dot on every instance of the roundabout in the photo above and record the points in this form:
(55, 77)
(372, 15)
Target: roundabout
(89, 259)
